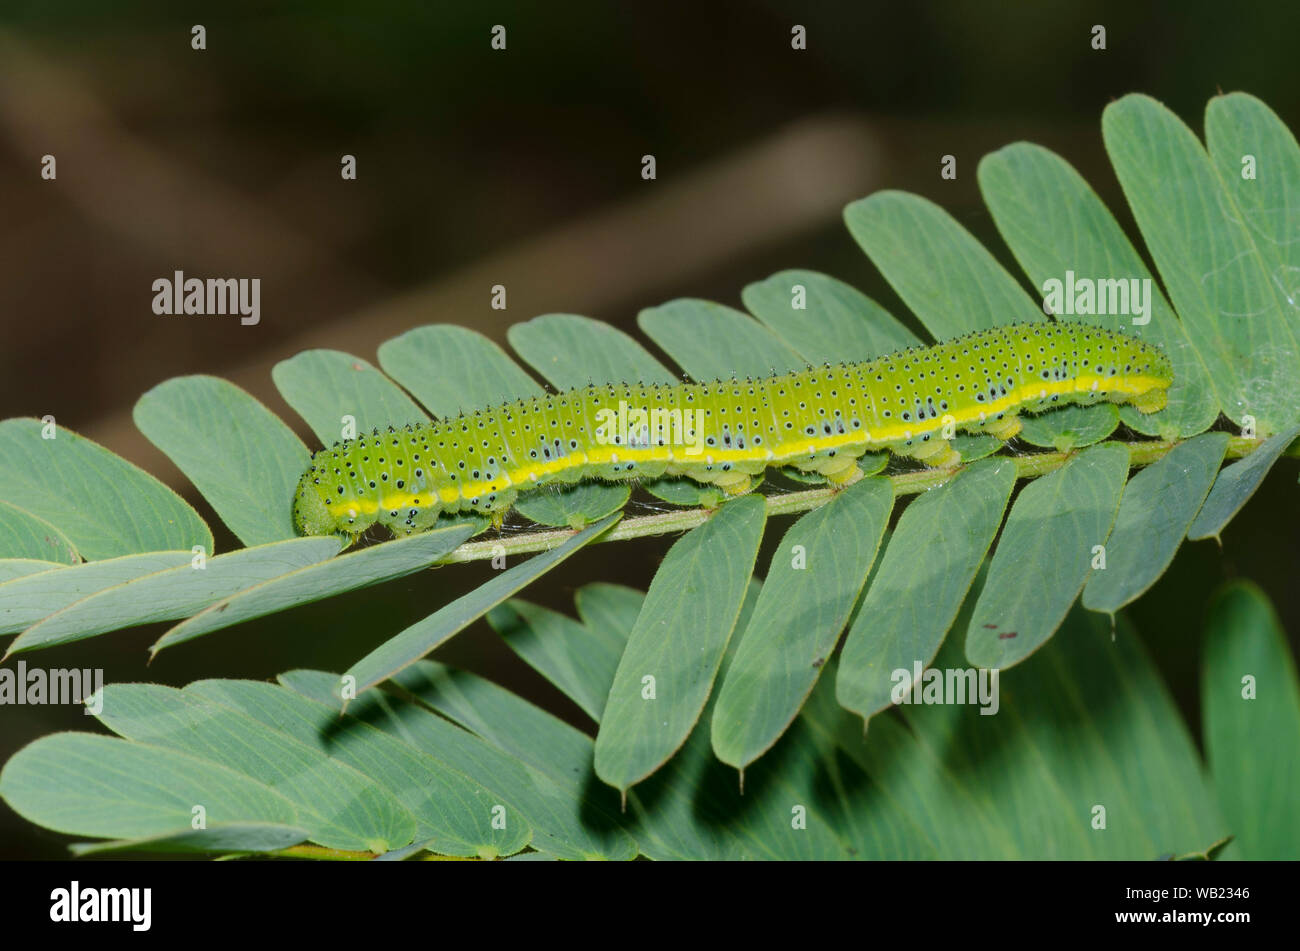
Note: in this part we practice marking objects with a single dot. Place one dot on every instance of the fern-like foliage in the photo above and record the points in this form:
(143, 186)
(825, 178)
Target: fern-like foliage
(1085, 758)
(708, 669)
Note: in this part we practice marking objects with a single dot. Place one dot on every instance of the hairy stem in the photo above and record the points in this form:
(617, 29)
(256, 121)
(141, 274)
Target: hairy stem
(1029, 466)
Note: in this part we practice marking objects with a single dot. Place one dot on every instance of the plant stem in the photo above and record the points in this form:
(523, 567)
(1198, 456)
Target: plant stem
(320, 852)
(1029, 466)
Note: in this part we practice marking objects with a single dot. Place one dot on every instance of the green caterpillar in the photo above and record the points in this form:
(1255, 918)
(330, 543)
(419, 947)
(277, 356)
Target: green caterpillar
(820, 419)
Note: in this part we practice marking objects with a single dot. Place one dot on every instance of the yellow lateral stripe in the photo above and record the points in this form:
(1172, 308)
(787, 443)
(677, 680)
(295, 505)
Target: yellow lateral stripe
(350, 508)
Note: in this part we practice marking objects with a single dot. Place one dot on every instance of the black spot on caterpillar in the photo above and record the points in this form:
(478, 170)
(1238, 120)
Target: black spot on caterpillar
(820, 419)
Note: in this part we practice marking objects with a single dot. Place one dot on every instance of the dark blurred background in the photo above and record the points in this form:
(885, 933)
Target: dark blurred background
(522, 167)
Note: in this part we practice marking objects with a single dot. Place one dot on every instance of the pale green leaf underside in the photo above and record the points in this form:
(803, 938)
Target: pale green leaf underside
(816, 574)
(104, 506)
(1236, 484)
(927, 569)
(453, 370)
(94, 785)
(11, 568)
(1070, 427)
(340, 806)
(573, 506)
(825, 320)
(934, 263)
(422, 637)
(677, 643)
(222, 837)
(1086, 721)
(572, 351)
(327, 387)
(917, 794)
(176, 592)
(556, 755)
(553, 802)
(348, 572)
(1158, 505)
(27, 599)
(1251, 705)
(454, 814)
(244, 460)
(1044, 555)
(578, 658)
(1221, 279)
(713, 342)
(24, 535)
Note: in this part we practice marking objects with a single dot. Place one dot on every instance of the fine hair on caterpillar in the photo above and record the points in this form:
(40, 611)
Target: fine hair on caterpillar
(728, 432)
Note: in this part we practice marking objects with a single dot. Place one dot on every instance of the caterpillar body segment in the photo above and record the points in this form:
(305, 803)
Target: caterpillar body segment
(727, 432)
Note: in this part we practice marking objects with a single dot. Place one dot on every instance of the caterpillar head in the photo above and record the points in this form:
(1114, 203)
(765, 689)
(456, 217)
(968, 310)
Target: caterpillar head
(310, 514)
